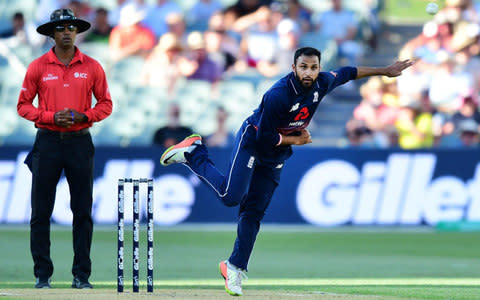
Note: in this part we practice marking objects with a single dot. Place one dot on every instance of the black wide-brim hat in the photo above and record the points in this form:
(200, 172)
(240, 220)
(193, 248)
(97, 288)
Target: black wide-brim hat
(61, 16)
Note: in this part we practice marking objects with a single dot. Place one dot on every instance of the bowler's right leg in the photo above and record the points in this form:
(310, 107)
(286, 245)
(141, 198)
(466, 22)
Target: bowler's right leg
(229, 188)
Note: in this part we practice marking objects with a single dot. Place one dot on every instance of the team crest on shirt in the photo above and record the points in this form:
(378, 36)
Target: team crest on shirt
(315, 97)
(295, 107)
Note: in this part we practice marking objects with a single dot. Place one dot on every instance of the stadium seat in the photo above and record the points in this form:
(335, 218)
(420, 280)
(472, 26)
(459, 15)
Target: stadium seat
(159, 93)
(317, 6)
(238, 91)
(327, 46)
(226, 3)
(9, 121)
(251, 75)
(98, 51)
(206, 122)
(8, 8)
(185, 5)
(10, 76)
(9, 94)
(118, 92)
(262, 87)
(145, 138)
(127, 71)
(108, 4)
(127, 125)
(201, 87)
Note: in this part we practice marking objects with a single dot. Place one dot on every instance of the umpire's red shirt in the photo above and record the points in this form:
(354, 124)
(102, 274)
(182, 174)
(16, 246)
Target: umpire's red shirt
(59, 87)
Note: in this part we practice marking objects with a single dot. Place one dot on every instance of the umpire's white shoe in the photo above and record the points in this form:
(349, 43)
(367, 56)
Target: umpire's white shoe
(176, 153)
(233, 278)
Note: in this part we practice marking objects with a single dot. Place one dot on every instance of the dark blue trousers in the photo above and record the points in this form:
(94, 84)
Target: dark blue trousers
(248, 182)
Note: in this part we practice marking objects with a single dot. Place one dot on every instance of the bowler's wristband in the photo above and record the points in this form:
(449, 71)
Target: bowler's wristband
(280, 140)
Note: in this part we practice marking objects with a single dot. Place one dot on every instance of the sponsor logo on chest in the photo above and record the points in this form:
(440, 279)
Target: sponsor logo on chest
(80, 75)
(295, 107)
(50, 77)
(77, 75)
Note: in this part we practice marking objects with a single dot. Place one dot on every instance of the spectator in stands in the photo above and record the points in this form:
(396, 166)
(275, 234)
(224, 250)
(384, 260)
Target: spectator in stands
(358, 134)
(259, 40)
(101, 29)
(391, 134)
(468, 133)
(114, 13)
(468, 110)
(289, 33)
(372, 21)
(218, 50)
(222, 137)
(242, 8)
(161, 67)
(199, 14)
(414, 80)
(18, 23)
(447, 84)
(173, 132)
(130, 37)
(21, 33)
(82, 9)
(284, 40)
(438, 119)
(390, 93)
(414, 126)
(376, 115)
(341, 25)
(156, 18)
(468, 52)
(300, 14)
(176, 25)
(227, 39)
(200, 66)
(45, 7)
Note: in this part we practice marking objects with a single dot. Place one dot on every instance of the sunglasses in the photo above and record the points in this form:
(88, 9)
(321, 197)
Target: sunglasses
(61, 28)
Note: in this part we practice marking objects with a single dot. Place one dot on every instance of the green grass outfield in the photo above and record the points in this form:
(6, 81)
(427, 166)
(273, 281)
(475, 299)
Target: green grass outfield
(408, 11)
(411, 263)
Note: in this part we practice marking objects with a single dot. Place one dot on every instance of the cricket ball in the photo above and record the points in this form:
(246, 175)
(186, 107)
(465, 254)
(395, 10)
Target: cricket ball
(432, 8)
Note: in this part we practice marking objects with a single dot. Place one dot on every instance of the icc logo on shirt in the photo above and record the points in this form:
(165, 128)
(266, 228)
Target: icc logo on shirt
(80, 75)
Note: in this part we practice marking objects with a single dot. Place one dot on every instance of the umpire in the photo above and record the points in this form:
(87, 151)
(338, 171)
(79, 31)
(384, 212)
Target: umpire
(64, 79)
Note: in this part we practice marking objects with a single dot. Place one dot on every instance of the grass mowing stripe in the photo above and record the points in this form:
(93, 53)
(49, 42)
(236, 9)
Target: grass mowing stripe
(299, 282)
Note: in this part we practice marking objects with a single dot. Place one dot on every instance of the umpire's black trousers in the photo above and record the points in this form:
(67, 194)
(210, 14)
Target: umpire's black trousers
(52, 153)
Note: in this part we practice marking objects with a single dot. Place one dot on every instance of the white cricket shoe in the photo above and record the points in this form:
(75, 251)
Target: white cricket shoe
(233, 278)
(176, 153)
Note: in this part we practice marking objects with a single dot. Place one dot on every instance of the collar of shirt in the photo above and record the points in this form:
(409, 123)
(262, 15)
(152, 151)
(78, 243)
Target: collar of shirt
(53, 59)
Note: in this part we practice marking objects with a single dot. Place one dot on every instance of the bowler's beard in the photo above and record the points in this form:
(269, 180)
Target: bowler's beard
(305, 87)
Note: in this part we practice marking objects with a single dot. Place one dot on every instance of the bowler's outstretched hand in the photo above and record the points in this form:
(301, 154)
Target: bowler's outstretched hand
(396, 68)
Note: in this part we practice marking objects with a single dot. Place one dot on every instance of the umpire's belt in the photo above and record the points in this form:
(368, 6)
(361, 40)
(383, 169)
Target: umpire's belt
(64, 134)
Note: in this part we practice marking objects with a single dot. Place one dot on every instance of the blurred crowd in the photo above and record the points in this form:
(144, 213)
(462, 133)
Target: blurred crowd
(209, 41)
(434, 103)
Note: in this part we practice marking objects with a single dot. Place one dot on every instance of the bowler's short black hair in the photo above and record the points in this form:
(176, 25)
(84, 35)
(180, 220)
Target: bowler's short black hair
(307, 51)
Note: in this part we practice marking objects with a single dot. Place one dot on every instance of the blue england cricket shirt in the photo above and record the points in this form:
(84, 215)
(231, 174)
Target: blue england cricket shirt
(286, 108)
